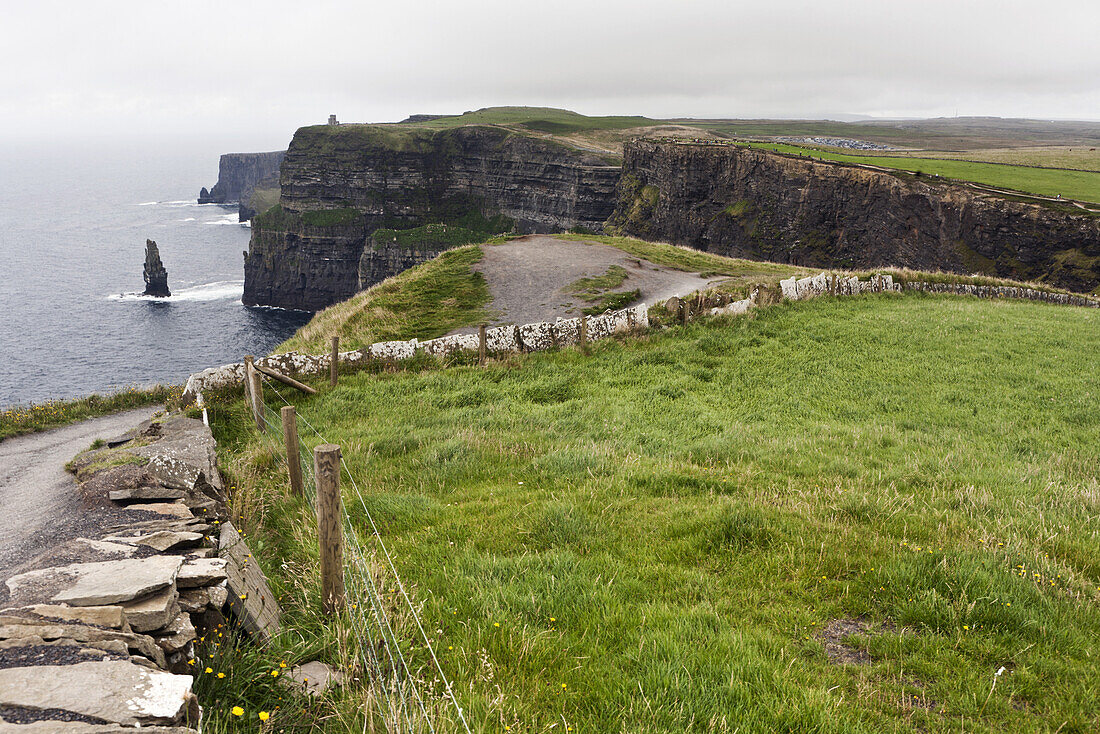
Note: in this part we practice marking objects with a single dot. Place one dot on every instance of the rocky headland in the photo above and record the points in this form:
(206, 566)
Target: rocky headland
(240, 176)
(341, 183)
(744, 202)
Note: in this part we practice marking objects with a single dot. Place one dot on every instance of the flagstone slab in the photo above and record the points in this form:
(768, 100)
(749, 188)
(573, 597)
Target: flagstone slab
(95, 584)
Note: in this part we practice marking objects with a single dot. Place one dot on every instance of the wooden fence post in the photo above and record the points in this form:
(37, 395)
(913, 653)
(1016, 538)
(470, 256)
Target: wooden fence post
(584, 333)
(255, 392)
(326, 467)
(335, 362)
(481, 347)
(293, 458)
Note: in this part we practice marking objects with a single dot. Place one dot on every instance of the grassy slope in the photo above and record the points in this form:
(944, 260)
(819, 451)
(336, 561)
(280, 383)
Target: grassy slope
(543, 119)
(445, 293)
(665, 527)
(423, 302)
(1083, 185)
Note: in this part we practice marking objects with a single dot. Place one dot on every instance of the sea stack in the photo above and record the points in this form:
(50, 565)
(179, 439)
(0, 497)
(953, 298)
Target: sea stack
(156, 277)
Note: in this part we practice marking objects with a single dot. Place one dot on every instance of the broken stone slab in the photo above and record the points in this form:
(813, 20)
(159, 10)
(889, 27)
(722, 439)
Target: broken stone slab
(29, 651)
(110, 617)
(14, 628)
(95, 584)
(194, 601)
(160, 540)
(201, 572)
(146, 494)
(250, 597)
(153, 612)
(177, 635)
(183, 456)
(313, 678)
(115, 691)
(170, 509)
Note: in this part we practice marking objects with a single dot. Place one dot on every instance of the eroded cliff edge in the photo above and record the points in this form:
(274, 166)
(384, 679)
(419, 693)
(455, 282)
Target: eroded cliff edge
(745, 202)
(341, 183)
(240, 175)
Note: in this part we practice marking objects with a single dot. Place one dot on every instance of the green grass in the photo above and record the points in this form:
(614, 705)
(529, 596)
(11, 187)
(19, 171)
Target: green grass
(661, 530)
(424, 302)
(599, 291)
(1081, 185)
(32, 418)
(542, 119)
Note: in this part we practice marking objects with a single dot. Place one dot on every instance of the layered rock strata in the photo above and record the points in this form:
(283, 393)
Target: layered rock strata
(239, 174)
(156, 277)
(340, 183)
(99, 631)
(744, 202)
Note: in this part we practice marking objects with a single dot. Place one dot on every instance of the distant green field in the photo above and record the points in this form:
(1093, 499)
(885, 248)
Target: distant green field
(1080, 185)
(543, 119)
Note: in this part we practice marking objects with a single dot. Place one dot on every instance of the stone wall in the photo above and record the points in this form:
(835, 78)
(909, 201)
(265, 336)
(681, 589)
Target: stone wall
(102, 628)
(566, 332)
(498, 340)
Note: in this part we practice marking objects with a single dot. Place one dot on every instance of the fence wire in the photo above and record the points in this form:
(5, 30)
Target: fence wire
(376, 623)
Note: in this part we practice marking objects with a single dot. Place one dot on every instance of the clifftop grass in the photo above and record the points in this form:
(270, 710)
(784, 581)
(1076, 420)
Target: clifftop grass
(424, 302)
(692, 531)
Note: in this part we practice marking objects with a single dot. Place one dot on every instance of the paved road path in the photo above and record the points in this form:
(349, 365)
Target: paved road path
(526, 277)
(39, 505)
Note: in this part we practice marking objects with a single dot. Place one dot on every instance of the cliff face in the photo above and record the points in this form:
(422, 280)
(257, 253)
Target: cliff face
(239, 174)
(340, 183)
(750, 203)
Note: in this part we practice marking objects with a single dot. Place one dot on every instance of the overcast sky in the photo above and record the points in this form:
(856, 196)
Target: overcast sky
(258, 70)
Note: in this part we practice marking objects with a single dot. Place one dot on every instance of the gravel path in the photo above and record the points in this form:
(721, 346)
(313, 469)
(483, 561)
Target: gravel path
(39, 498)
(526, 277)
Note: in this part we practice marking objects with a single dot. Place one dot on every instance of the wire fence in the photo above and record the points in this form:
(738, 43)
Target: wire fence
(384, 627)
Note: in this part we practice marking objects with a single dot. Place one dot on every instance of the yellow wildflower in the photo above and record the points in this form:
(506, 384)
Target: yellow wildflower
(264, 716)
(237, 711)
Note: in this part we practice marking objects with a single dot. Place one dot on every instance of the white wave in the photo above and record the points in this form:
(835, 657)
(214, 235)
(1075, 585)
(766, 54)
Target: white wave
(217, 291)
(225, 219)
(189, 219)
(149, 203)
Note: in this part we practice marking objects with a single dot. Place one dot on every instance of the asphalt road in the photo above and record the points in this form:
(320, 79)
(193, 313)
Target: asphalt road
(39, 504)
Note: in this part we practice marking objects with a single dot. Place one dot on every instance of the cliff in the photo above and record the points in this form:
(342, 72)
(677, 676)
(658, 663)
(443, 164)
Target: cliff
(239, 174)
(340, 183)
(745, 202)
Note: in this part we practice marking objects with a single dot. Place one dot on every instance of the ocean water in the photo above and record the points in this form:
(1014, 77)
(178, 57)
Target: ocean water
(73, 223)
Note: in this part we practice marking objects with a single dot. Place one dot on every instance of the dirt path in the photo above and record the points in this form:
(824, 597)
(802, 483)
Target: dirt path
(39, 498)
(526, 277)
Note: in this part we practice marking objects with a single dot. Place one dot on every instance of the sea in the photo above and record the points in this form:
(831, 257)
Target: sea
(74, 217)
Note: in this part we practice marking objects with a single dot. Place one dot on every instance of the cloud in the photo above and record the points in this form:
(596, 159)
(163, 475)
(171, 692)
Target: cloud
(205, 66)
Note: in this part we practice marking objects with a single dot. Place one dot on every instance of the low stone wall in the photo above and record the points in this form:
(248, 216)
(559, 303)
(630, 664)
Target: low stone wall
(566, 332)
(498, 340)
(1003, 291)
(102, 628)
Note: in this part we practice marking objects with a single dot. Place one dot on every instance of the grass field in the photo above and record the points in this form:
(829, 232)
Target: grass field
(541, 119)
(1080, 158)
(1082, 185)
(674, 533)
